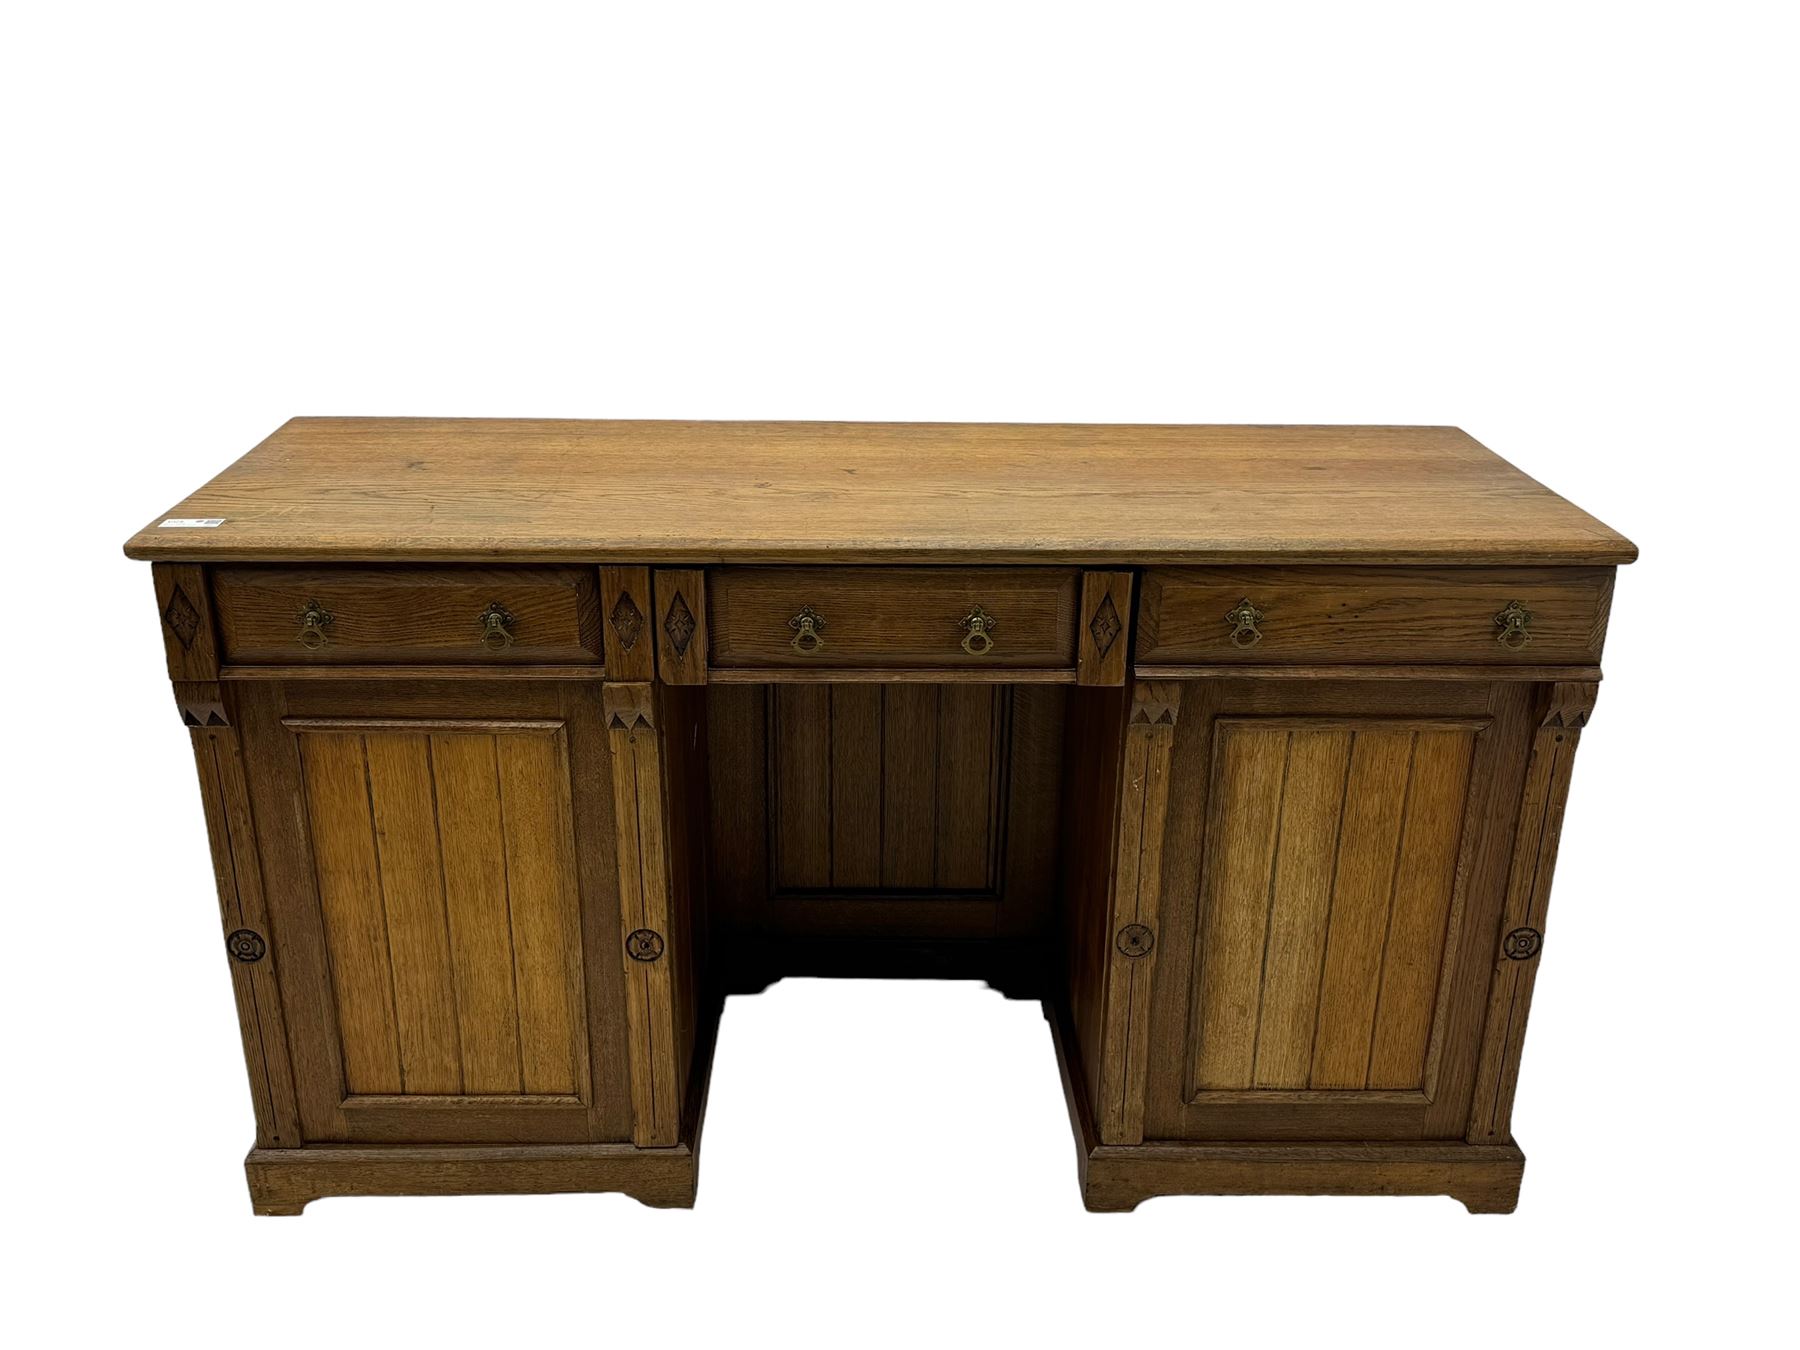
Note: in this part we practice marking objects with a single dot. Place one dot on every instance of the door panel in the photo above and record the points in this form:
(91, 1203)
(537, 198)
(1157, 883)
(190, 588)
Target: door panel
(1325, 889)
(436, 863)
(1325, 918)
(447, 888)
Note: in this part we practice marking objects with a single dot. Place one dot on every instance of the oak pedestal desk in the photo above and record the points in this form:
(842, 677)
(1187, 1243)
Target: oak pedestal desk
(524, 743)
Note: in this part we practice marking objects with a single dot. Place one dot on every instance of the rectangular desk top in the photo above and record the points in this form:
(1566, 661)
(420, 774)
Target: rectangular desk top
(519, 490)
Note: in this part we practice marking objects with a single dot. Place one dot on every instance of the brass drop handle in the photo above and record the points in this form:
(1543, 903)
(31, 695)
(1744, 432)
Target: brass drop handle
(1243, 620)
(496, 627)
(806, 625)
(314, 620)
(978, 625)
(1513, 622)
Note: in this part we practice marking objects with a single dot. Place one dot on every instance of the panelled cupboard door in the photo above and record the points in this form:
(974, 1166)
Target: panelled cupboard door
(1331, 894)
(439, 864)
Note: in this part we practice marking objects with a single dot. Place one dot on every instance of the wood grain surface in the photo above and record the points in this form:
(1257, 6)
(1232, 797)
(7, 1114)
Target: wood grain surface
(446, 883)
(1326, 920)
(370, 489)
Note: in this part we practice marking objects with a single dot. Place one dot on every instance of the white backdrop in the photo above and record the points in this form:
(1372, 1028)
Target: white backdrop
(1568, 228)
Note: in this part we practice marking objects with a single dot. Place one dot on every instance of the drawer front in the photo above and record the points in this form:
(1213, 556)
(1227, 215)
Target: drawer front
(396, 616)
(1377, 615)
(888, 617)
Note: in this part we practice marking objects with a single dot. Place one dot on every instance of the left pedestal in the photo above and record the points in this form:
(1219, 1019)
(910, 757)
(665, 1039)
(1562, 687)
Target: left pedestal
(456, 911)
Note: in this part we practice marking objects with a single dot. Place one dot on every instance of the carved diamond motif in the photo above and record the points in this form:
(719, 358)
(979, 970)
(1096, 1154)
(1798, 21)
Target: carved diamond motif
(1105, 625)
(627, 621)
(679, 625)
(183, 619)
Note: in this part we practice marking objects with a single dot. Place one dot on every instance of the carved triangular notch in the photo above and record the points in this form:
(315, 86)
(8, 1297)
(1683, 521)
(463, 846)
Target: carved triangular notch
(1156, 703)
(201, 703)
(1571, 704)
(629, 707)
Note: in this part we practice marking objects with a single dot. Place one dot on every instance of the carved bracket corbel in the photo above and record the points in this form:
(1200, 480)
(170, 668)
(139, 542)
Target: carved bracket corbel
(629, 707)
(201, 703)
(1155, 703)
(1571, 704)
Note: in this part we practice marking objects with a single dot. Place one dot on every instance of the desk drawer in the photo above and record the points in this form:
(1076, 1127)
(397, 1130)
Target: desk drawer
(889, 617)
(396, 616)
(1373, 615)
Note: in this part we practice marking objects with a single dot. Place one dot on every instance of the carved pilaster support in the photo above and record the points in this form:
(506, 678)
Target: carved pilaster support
(184, 609)
(1521, 932)
(646, 903)
(237, 874)
(1134, 903)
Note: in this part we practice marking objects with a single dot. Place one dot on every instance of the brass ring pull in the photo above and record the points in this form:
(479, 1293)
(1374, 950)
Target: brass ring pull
(496, 627)
(1243, 620)
(806, 625)
(314, 620)
(1514, 622)
(978, 625)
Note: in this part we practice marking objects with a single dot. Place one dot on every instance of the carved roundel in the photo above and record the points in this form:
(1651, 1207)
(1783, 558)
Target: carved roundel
(646, 944)
(1522, 944)
(1135, 940)
(246, 945)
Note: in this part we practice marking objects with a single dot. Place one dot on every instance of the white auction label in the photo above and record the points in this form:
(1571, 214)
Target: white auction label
(192, 523)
